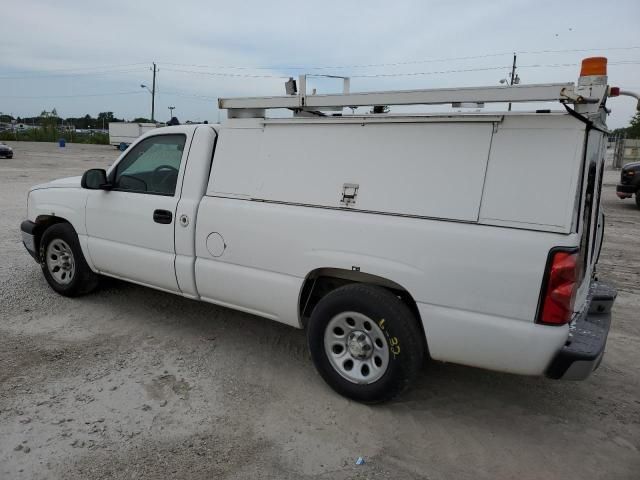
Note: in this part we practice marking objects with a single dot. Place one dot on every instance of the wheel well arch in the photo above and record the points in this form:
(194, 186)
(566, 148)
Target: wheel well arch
(321, 281)
(42, 223)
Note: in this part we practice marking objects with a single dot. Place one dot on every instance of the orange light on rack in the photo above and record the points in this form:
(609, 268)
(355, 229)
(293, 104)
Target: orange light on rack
(593, 66)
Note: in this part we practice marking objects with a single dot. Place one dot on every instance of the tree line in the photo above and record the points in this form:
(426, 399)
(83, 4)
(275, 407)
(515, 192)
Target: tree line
(632, 131)
(51, 118)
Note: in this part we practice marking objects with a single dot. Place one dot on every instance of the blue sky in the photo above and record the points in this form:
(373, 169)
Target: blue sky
(85, 57)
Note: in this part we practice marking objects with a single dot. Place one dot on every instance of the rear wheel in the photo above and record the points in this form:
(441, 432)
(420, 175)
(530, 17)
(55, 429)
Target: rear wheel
(638, 199)
(63, 264)
(365, 343)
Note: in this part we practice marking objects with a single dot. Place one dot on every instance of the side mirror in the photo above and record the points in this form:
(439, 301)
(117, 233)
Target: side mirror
(95, 179)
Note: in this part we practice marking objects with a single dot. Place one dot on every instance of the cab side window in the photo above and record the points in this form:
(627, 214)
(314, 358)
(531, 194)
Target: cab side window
(151, 166)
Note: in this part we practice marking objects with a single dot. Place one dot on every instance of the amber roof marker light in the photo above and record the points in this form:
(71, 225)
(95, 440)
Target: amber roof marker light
(593, 66)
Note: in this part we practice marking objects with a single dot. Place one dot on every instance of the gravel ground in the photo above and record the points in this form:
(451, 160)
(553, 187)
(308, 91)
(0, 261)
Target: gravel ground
(133, 383)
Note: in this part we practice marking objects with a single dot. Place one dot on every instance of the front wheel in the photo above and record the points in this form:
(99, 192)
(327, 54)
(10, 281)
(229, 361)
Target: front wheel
(365, 343)
(63, 264)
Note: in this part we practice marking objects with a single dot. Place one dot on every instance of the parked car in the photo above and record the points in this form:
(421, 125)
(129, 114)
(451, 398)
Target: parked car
(5, 150)
(629, 182)
(386, 237)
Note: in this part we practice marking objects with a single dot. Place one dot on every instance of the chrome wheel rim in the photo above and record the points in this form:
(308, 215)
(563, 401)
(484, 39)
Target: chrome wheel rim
(60, 261)
(356, 347)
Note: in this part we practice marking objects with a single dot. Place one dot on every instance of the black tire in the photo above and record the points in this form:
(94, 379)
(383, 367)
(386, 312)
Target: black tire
(396, 321)
(638, 199)
(83, 280)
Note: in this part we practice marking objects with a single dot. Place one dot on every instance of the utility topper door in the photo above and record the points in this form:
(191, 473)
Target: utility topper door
(420, 169)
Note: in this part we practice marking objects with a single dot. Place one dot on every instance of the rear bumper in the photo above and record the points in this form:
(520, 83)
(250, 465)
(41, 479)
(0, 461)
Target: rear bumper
(625, 191)
(29, 238)
(585, 346)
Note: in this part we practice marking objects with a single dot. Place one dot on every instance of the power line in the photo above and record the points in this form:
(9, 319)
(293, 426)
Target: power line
(576, 50)
(238, 75)
(190, 95)
(330, 67)
(224, 74)
(375, 75)
(61, 75)
(394, 64)
(106, 69)
(74, 95)
(400, 74)
(411, 74)
(556, 65)
(68, 69)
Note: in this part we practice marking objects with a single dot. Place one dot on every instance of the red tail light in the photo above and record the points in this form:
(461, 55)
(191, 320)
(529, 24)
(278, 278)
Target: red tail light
(562, 278)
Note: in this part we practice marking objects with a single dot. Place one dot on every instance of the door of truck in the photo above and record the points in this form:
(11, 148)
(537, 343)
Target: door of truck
(591, 219)
(131, 227)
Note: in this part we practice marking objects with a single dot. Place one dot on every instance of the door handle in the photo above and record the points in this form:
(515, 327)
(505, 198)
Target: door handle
(162, 216)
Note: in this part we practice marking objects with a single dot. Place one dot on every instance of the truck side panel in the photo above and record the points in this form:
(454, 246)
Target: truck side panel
(459, 274)
(472, 255)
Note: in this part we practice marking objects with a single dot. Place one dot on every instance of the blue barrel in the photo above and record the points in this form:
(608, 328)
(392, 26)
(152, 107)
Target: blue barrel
(62, 143)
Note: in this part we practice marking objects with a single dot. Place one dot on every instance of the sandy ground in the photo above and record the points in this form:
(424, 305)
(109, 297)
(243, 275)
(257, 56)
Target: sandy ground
(134, 383)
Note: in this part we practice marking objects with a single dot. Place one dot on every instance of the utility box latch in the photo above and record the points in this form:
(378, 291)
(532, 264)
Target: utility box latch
(349, 194)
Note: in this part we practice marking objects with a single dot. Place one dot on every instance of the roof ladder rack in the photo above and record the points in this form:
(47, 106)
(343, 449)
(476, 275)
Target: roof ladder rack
(255, 106)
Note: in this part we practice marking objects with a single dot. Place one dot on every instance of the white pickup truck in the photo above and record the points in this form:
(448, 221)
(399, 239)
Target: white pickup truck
(467, 238)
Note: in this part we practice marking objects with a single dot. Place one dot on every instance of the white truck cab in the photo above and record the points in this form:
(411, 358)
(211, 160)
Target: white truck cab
(467, 238)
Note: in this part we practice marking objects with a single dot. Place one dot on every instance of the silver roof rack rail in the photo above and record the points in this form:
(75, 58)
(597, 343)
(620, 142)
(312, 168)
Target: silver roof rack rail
(301, 101)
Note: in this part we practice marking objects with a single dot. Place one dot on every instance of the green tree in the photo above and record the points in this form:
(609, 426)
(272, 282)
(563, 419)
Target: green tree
(48, 119)
(634, 129)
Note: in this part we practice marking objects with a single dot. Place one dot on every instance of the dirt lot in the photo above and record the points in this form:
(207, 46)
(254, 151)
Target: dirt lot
(134, 383)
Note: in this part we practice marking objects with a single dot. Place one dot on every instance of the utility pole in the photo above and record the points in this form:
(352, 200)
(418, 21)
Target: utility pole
(153, 93)
(513, 74)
